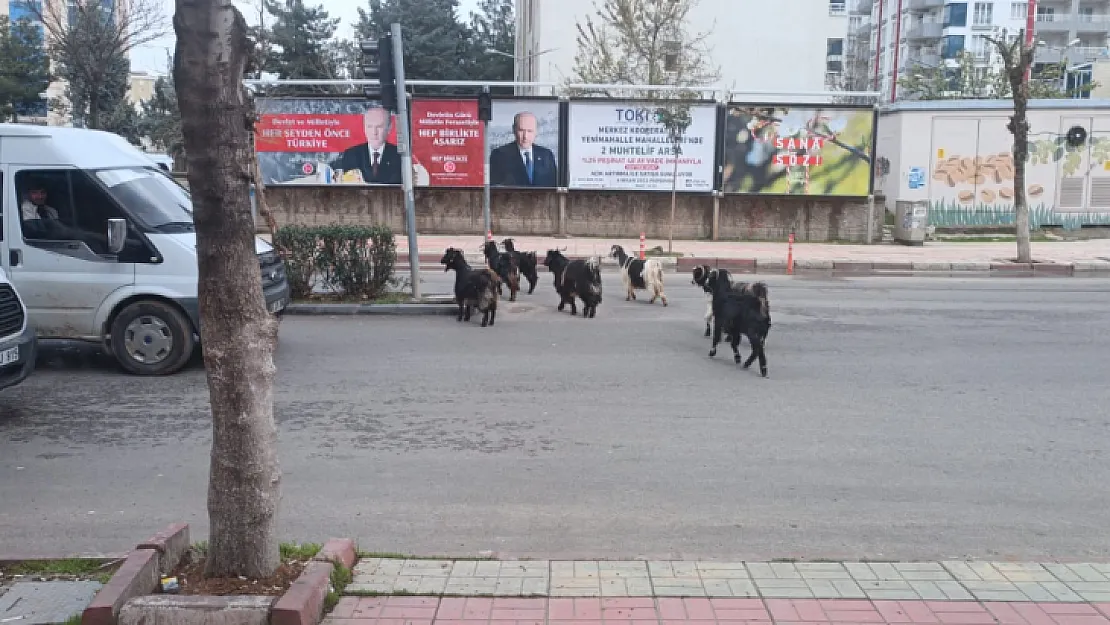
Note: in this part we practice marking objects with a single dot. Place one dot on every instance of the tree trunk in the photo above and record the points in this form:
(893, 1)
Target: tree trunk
(237, 334)
(93, 120)
(1019, 126)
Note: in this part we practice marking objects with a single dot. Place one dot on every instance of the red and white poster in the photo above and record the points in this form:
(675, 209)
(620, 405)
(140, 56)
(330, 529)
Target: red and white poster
(447, 141)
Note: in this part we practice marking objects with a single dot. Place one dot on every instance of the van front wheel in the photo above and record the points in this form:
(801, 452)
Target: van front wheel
(152, 338)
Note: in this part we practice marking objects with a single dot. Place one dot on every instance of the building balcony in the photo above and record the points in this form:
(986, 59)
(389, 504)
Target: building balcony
(927, 59)
(1054, 23)
(921, 6)
(838, 8)
(1087, 24)
(927, 30)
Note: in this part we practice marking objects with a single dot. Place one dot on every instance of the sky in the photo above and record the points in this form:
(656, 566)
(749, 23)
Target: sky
(153, 57)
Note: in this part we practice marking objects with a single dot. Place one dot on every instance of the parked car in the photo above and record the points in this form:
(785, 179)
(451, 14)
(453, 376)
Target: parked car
(18, 346)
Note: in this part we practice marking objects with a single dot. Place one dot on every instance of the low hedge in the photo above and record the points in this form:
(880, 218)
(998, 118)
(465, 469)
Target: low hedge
(353, 261)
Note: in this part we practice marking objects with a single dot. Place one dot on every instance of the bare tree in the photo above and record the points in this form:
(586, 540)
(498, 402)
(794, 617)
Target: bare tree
(1017, 58)
(88, 37)
(643, 42)
(238, 335)
(675, 118)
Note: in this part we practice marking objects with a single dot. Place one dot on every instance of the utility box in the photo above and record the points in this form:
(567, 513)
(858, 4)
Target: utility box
(911, 220)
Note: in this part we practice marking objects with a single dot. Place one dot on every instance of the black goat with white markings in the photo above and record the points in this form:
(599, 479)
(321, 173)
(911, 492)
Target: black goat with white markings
(640, 274)
(474, 288)
(526, 261)
(581, 278)
(701, 275)
(743, 311)
(504, 263)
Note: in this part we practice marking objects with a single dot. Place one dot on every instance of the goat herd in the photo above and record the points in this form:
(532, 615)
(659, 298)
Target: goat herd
(734, 309)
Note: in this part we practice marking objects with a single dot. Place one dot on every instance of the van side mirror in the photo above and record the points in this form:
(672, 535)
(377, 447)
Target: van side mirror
(117, 234)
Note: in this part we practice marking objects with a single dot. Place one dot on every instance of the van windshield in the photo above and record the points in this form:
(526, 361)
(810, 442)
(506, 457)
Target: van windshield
(152, 199)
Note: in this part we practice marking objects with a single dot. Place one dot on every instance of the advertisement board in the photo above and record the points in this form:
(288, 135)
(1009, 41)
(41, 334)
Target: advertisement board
(524, 143)
(329, 141)
(622, 146)
(447, 139)
(798, 150)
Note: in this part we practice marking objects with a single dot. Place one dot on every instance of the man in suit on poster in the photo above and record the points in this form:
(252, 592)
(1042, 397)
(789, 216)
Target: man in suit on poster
(379, 162)
(522, 163)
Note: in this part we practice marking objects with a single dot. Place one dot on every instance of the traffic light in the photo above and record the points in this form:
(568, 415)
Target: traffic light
(485, 106)
(377, 64)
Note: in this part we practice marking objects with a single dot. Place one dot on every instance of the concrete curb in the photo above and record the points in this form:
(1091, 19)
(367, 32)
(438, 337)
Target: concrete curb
(371, 309)
(171, 544)
(17, 558)
(338, 550)
(905, 268)
(137, 576)
(303, 603)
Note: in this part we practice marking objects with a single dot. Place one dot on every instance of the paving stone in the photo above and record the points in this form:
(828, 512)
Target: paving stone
(760, 569)
(885, 571)
(586, 569)
(487, 568)
(41, 603)
(889, 589)
(786, 593)
(860, 571)
(512, 586)
(465, 568)
(1061, 591)
(523, 569)
(917, 567)
(785, 570)
(1088, 573)
(679, 591)
(356, 587)
(729, 588)
(471, 585)
(428, 568)
(849, 589)
(961, 571)
(534, 586)
(623, 565)
(823, 570)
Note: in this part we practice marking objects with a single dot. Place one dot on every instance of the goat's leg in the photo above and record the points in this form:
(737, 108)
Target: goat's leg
(460, 316)
(757, 352)
(562, 302)
(716, 336)
(573, 306)
(493, 313)
(531, 284)
(734, 342)
(663, 296)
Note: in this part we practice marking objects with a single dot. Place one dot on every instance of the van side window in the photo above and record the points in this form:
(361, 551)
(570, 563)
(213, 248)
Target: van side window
(45, 210)
(94, 207)
(1, 206)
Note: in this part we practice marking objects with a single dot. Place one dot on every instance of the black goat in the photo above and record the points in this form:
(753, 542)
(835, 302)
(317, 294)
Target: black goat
(740, 312)
(505, 265)
(701, 275)
(474, 288)
(581, 278)
(640, 274)
(526, 261)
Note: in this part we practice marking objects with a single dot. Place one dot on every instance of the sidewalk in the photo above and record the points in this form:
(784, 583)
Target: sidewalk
(586, 592)
(889, 581)
(931, 252)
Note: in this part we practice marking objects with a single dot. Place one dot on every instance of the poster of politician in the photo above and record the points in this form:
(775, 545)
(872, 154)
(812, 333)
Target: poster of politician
(524, 143)
(623, 146)
(798, 150)
(329, 141)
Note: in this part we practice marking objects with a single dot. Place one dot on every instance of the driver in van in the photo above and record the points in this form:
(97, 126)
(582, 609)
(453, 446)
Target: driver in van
(39, 218)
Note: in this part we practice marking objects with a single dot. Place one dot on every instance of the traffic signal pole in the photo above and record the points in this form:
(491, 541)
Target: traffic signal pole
(404, 147)
(485, 113)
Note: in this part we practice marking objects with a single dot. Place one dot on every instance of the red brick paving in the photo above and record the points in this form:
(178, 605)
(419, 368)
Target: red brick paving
(699, 611)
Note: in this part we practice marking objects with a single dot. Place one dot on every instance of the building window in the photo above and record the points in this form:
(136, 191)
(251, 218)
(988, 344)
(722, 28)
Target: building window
(952, 46)
(838, 7)
(981, 47)
(834, 47)
(955, 14)
(834, 55)
(1046, 14)
(670, 56)
(983, 14)
(1019, 10)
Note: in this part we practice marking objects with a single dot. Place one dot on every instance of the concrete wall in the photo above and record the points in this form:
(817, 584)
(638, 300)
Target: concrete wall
(597, 214)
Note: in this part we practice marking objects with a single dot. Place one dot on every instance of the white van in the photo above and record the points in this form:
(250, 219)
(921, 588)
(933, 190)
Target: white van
(17, 337)
(102, 247)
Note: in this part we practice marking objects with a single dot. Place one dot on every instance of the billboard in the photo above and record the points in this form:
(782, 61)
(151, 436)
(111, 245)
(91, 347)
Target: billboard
(524, 143)
(447, 139)
(798, 150)
(329, 141)
(622, 146)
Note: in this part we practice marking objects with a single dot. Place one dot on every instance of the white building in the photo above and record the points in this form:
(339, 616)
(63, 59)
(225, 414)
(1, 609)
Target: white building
(912, 34)
(784, 46)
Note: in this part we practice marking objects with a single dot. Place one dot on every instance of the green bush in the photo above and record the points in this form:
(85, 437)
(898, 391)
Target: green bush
(299, 245)
(354, 261)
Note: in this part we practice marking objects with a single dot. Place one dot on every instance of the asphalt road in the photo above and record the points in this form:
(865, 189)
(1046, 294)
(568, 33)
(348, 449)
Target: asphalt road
(903, 418)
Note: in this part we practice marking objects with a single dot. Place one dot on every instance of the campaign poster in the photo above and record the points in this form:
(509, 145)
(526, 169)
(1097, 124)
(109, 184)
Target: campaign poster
(798, 150)
(447, 139)
(623, 146)
(524, 143)
(329, 141)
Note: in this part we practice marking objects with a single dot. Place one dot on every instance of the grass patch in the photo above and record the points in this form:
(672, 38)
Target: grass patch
(302, 551)
(340, 577)
(392, 555)
(388, 298)
(77, 567)
(73, 620)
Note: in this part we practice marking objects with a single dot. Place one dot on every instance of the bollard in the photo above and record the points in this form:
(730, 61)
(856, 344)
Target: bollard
(790, 256)
(489, 235)
(643, 247)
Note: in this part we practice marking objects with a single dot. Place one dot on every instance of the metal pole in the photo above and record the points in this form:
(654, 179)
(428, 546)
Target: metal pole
(870, 219)
(404, 146)
(485, 179)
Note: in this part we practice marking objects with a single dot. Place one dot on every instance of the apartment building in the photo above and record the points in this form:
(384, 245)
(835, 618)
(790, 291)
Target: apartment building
(903, 36)
(787, 46)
